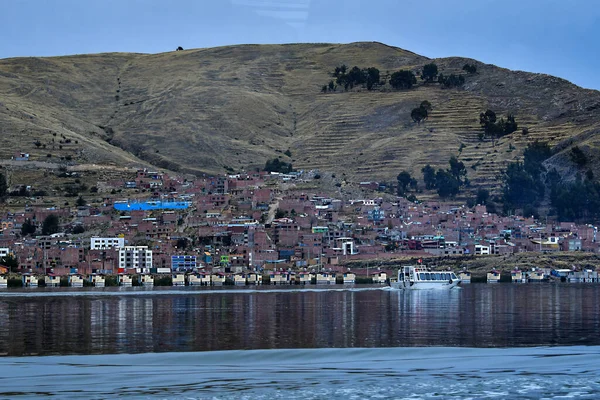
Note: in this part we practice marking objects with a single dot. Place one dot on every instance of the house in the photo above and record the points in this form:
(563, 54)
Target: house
(97, 280)
(199, 279)
(325, 278)
(217, 279)
(349, 278)
(124, 280)
(178, 279)
(3, 281)
(52, 280)
(303, 278)
(75, 280)
(99, 243)
(253, 278)
(135, 257)
(379, 277)
(147, 280)
(29, 280)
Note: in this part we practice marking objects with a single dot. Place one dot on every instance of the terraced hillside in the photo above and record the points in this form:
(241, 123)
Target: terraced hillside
(229, 108)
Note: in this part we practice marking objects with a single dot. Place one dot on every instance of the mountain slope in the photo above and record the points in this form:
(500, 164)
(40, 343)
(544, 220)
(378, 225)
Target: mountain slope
(227, 108)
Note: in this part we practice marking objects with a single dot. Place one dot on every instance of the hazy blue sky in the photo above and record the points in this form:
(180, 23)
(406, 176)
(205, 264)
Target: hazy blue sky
(559, 37)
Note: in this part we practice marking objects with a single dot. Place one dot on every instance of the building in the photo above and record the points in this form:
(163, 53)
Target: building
(97, 243)
(183, 263)
(135, 257)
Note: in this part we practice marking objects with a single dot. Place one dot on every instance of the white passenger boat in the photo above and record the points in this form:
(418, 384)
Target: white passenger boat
(411, 277)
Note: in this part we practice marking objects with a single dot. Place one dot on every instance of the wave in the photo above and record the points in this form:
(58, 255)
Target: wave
(458, 373)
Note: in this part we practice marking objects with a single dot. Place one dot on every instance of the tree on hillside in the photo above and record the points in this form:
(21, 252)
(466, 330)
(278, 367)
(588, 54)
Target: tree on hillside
(447, 185)
(426, 105)
(470, 68)
(372, 77)
(451, 80)
(457, 169)
(28, 228)
(428, 176)
(404, 179)
(482, 196)
(179, 48)
(3, 186)
(50, 225)
(418, 114)
(429, 73)
(276, 165)
(403, 79)
(578, 156)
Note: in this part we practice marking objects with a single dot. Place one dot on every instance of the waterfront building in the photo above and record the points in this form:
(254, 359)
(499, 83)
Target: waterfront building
(147, 280)
(183, 263)
(29, 280)
(136, 257)
(52, 280)
(75, 280)
(178, 280)
(349, 277)
(218, 279)
(97, 280)
(124, 280)
(3, 281)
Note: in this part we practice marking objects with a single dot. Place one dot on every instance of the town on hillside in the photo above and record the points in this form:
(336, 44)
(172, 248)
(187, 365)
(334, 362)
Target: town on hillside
(259, 222)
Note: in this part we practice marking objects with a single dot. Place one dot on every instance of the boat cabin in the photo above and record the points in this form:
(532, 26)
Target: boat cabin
(422, 274)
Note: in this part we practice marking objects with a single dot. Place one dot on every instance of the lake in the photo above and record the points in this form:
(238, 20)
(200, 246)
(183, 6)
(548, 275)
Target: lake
(313, 342)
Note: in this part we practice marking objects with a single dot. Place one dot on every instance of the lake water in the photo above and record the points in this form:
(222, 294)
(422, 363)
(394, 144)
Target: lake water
(481, 341)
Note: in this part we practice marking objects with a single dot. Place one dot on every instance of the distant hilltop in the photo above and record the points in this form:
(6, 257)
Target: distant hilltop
(230, 108)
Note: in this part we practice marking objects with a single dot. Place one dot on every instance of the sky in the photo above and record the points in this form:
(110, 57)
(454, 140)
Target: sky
(557, 37)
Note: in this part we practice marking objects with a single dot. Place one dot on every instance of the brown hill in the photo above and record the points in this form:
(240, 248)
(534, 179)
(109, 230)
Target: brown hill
(223, 109)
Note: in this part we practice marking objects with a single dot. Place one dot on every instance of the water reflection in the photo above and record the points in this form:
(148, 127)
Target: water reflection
(502, 315)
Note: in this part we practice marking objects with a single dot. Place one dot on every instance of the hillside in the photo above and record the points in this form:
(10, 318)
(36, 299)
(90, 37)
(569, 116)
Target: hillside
(223, 109)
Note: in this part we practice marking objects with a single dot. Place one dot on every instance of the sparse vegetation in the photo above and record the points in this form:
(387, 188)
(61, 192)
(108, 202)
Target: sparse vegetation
(470, 68)
(277, 165)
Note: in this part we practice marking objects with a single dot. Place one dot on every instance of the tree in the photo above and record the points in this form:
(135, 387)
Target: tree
(276, 165)
(179, 48)
(510, 125)
(10, 262)
(404, 179)
(470, 68)
(28, 228)
(324, 89)
(428, 176)
(182, 243)
(3, 186)
(482, 196)
(80, 202)
(372, 77)
(332, 86)
(429, 73)
(447, 185)
(578, 156)
(78, 229)
(451, 81)
(50, 225)
(426, 105)
(418, 114)
(487, 118)
(457, 169)
(403, 79)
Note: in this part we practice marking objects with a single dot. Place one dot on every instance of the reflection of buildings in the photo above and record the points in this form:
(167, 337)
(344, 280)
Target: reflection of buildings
(477, 315)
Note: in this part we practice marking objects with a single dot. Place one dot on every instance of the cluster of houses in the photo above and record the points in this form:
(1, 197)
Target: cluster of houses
(246, 223)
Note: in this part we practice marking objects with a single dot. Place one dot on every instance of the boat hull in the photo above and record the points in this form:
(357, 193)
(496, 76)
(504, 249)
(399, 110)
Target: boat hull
(407, 285)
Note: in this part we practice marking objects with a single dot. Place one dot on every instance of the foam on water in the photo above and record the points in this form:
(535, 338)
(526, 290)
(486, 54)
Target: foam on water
(449, 373)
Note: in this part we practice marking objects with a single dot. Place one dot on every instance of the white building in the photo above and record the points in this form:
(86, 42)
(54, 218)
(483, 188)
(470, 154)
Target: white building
(4, 251)
(138, 257)
(98, 243)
